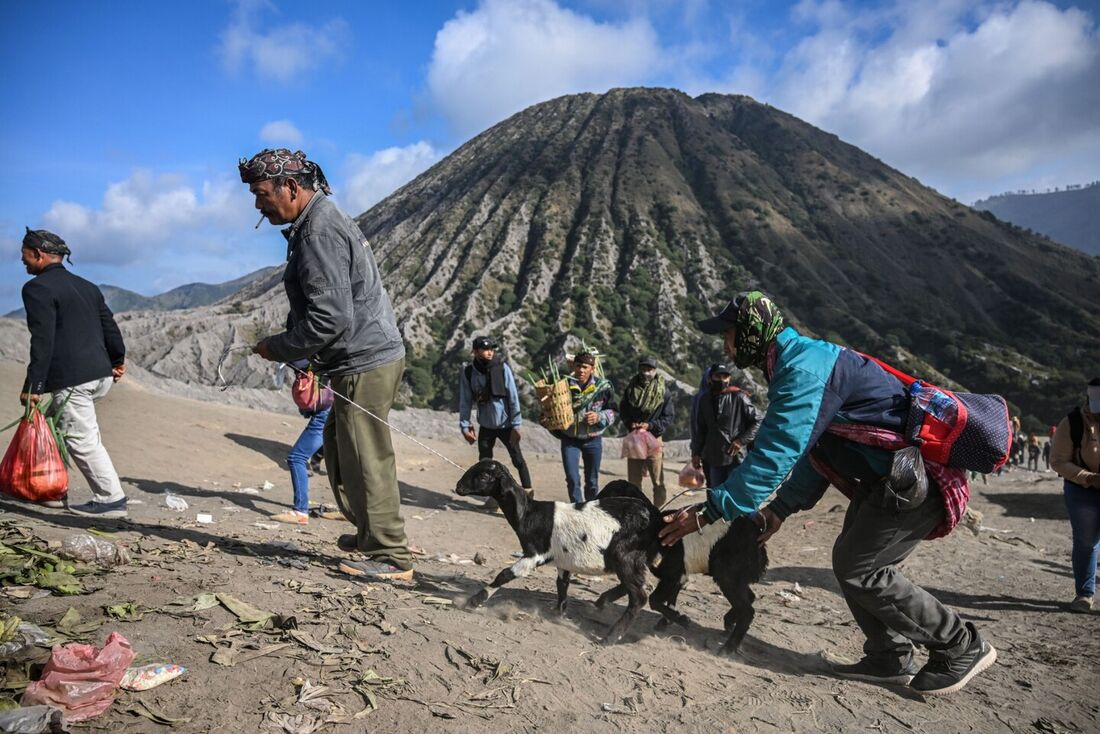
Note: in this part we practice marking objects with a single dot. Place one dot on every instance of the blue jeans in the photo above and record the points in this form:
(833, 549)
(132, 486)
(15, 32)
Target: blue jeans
(1083, 505)
(298, 458)
(572, 451)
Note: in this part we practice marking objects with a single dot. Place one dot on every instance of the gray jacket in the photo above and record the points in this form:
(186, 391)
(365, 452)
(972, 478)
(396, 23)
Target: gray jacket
(340, 314)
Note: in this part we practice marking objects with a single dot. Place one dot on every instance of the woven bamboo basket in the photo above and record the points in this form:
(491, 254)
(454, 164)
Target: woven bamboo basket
(555, 405)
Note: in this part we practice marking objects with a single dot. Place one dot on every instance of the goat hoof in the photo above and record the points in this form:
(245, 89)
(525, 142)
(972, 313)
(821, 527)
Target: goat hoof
(473, 601)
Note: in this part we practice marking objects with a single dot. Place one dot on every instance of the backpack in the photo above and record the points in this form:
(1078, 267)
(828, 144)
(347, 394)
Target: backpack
(1076, 433)
(961, 430)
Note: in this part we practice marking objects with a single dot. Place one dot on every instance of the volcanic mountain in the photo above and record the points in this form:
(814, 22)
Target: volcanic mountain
(621, 218)
(618, 219)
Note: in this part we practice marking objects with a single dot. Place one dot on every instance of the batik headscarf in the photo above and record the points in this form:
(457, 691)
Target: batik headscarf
(274, 162)
(759, 321)
(44, 240)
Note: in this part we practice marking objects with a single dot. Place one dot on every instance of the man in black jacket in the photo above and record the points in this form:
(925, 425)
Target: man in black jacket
(76, 354)
(647, 406)
(726, 423)
(342, 319)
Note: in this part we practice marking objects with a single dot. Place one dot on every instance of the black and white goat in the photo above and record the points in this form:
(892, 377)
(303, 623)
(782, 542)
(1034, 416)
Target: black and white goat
(727, 552)
(615, 535)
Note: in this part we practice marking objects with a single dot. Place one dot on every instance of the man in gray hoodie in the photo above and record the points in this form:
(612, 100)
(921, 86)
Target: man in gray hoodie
(342, 319)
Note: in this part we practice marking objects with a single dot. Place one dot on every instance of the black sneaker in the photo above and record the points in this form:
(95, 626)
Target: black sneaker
(101, 509)
(348, 542)
(941, 676)
(877, 670)
(375, 571)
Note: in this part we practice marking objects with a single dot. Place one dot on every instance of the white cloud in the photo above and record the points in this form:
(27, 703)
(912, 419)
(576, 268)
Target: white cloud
(953, 91)
(281, 132)
(148, 213)
(281, 52)
(371, 178)
(508, 54)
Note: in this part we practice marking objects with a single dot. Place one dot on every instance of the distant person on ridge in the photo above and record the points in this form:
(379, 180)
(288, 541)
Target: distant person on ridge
(489, 382)
(1046, 452)
(726, 423)
(647, 406)
(77, 353)
(836, 417)
(341, 318)
(594, 411)
(1076, 457)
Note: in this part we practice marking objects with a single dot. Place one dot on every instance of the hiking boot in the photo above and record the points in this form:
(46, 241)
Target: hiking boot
(101, 509)
(375, 571)
(348, 542)
(878, 670)
(941, 675)
(292, 517)
(1081, 605)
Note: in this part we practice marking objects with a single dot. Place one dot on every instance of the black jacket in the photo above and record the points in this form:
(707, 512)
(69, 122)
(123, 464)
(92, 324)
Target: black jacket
(658, 420)
(722, 419)
(74, 337)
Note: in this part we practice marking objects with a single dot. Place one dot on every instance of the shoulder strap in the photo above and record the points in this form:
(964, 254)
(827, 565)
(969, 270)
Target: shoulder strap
(1076, 431)
(905, 379)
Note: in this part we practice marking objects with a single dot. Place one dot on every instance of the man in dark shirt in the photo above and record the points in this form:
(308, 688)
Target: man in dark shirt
(76, 354)
(726, 423)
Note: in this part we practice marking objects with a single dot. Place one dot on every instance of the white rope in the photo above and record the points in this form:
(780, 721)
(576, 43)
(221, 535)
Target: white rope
(346, 399)
(383, 422)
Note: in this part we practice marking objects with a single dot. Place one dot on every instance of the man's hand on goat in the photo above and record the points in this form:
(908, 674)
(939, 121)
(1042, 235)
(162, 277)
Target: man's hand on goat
(684, 522)
(768, 522)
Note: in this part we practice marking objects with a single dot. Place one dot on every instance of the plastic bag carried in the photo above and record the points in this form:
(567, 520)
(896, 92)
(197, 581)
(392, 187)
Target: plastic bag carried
(640, 444)
(32, 468)
(692, 478)
(310, 393)
(81, 680)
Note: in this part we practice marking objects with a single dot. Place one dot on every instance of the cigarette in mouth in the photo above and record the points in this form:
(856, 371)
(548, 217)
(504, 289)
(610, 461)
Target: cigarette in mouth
(259, 222)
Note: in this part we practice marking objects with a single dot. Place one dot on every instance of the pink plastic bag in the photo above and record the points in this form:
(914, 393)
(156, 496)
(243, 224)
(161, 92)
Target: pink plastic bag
(81, 680)
(692, 478)
(639, 444)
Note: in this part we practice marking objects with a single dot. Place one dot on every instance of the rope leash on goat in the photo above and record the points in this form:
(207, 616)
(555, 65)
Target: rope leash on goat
(345, 398)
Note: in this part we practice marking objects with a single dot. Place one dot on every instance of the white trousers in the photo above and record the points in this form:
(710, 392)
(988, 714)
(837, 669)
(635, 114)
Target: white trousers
(78, 423)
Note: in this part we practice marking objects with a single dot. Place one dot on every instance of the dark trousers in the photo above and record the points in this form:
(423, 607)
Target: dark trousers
(892, 611)
(487, 439)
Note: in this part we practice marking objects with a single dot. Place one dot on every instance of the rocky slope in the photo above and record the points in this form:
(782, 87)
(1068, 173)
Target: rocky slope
(1071, 217)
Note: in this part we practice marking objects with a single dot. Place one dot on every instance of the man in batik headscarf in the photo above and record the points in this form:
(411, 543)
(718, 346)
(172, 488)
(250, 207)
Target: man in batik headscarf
(77, 353)
(342, 320)
(837, 417)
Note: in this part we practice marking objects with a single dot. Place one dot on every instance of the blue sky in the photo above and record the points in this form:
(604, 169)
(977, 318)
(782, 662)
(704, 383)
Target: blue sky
(123, 121)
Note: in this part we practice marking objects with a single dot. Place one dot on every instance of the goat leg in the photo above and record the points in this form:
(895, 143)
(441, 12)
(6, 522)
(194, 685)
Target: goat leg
(611, 595)
(563, 589)
(739, 617)
(663, 601)
(519, 569)
(633, 578)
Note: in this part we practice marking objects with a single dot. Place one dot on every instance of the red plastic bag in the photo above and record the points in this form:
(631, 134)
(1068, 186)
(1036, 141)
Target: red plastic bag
(310, 394)
(32, 468)
(692, 478)
(639, 444)
(81, 680)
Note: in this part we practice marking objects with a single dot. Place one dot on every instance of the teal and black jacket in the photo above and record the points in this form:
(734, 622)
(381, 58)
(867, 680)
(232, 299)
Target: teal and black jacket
(813, 383)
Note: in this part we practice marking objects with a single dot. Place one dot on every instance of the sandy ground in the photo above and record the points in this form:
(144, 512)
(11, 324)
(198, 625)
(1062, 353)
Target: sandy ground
(514, 665)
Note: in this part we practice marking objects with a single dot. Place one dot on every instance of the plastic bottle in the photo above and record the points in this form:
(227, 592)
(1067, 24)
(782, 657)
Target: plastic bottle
(90, 549)
(933, 402)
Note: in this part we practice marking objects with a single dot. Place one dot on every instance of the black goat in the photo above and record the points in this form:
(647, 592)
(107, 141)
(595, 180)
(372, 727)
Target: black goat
(615, 535)
(727, 552)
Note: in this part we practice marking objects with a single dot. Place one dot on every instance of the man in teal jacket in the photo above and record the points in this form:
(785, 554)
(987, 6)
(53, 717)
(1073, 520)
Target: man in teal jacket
(820, 396)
